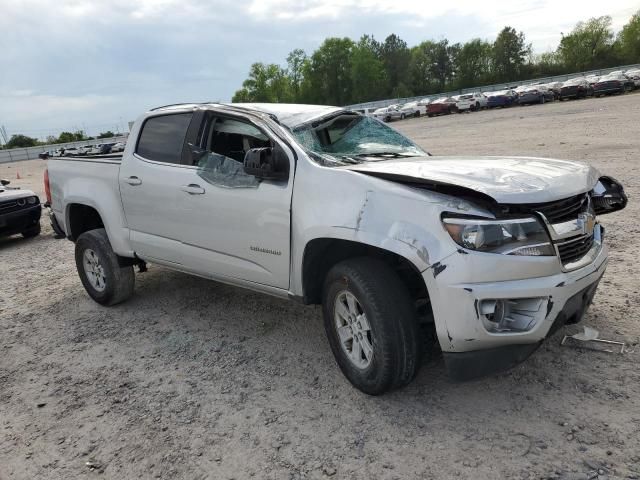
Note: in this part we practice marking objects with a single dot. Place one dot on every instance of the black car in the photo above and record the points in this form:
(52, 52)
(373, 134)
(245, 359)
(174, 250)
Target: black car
(576, 88)
(20, 211)
(613, 83)
(105, 148)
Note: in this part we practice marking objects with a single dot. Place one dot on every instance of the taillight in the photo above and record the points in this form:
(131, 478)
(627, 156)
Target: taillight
(47, 189)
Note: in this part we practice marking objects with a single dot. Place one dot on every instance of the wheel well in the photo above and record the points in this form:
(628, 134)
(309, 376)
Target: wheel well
(323, 253)
(82, 218)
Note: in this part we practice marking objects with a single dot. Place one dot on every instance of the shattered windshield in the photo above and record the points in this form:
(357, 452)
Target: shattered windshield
(348, 138)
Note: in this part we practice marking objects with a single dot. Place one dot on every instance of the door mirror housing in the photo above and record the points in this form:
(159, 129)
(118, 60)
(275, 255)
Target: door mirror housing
(608, 196)
(4, 182)
(268, 163)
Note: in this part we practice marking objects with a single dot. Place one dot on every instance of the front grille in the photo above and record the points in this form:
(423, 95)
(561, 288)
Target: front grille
(574, 249)
(10, 206)
(562, 210)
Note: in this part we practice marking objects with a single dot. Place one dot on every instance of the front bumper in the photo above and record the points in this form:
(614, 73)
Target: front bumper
(19, 221)
(469, 348)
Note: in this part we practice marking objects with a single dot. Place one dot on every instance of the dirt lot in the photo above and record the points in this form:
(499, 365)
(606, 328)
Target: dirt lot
(193, 379)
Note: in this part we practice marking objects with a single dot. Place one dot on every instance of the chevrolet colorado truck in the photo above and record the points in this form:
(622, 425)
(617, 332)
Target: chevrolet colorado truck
(485, 256)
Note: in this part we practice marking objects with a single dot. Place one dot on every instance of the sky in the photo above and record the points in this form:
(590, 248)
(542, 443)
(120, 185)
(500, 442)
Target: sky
(95, 65)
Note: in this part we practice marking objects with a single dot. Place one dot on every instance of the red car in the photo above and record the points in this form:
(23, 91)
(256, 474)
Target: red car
(442, 106)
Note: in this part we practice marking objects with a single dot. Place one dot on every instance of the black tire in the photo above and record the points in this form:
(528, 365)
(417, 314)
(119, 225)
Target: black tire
(389, 310)
(402, 116)
(119, 278)
(32, 231)
(429, 115)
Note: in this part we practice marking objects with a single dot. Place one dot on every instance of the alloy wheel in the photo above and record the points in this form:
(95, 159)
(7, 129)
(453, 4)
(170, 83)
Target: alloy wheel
(354, 331)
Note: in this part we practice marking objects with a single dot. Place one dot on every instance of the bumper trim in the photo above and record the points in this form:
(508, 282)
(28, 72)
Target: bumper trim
(464, 366)
(478, 363)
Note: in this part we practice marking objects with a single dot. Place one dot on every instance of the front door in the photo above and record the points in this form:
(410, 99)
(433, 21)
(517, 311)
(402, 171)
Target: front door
(231, 223)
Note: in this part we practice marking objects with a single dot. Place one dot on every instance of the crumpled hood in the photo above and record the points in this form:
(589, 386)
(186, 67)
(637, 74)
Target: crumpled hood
(505, 179)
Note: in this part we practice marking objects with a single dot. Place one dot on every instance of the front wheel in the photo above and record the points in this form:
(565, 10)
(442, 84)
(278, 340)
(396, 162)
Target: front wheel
(107, 278)
(371, 325)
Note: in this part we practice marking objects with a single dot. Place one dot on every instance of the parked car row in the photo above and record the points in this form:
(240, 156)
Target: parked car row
(574, 88)
(100, 149)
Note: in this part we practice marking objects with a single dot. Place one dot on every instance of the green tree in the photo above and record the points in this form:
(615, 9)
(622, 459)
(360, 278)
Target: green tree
(21, 141)
(327, 74)
(444, 58)
(420, 68)
(295, 63)
(432, 66)
(368, 75)
(509, 54)
(589, 45)
(629, 40)
(66, 137)
(107, 134)
(396, 56)
(473, 63)
(266, 83)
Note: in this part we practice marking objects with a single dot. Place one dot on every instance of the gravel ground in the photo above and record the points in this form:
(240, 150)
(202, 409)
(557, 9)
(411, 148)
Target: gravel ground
(194, 379)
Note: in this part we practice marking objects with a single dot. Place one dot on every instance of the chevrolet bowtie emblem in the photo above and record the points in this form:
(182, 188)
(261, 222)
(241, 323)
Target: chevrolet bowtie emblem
(587, 222)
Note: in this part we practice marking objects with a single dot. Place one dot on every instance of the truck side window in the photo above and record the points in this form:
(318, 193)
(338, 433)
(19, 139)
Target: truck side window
(162, 137)
(232, 138)
(223, 144)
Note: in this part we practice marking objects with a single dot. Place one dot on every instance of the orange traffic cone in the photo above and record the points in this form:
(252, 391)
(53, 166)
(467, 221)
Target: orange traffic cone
(18, 175)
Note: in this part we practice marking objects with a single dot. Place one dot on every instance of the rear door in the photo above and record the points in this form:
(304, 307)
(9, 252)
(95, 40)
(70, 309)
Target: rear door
(150, 186)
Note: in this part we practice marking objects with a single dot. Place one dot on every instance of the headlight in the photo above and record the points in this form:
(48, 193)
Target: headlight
(32, 200)
(520, 236)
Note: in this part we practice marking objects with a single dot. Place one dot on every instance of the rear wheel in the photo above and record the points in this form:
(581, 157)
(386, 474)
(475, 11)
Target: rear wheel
(107, 278)
(371, 325)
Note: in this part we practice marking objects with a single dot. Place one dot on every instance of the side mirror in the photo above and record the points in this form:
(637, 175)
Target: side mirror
(608, 196)
(4, 182)
(268, 163)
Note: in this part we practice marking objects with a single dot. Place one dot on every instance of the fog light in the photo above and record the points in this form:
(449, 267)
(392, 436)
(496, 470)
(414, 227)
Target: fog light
(511, 315)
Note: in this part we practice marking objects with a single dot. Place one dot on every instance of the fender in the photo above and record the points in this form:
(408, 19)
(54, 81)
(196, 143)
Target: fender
(104, 200)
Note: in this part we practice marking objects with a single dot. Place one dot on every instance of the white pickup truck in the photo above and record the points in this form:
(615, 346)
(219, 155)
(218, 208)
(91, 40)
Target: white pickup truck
(488, 255)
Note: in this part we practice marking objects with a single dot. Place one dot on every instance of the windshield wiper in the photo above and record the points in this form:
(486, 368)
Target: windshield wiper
(385, 154)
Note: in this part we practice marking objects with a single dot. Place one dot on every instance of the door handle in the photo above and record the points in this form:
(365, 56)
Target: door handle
(192, 189)
(133, 180)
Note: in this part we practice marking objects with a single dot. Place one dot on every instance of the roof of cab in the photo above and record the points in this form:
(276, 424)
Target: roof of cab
(290, 114)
